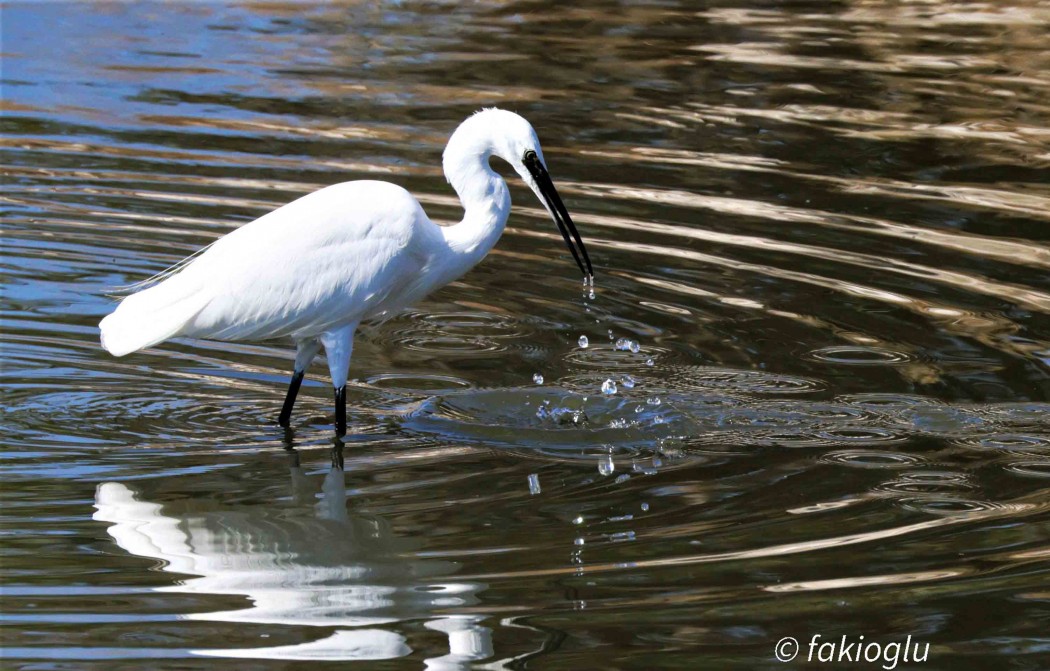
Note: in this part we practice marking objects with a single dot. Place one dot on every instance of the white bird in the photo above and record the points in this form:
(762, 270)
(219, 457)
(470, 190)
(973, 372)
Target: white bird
(317, 267)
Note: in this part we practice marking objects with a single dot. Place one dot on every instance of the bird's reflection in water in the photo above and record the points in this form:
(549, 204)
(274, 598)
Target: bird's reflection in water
(306, 565)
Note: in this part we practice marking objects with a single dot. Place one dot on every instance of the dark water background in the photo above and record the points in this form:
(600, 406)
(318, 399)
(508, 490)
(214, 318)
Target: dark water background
(825, 225)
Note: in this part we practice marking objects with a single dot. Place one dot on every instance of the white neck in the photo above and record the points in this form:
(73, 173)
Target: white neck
(484, 194)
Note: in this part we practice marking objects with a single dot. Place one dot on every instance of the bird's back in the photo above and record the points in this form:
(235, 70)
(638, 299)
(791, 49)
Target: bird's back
(329, 258)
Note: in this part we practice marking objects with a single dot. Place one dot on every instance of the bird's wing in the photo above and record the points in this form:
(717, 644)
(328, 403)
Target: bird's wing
(327, 259)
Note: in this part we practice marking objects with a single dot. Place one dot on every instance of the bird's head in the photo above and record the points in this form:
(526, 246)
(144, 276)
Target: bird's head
(513, 139)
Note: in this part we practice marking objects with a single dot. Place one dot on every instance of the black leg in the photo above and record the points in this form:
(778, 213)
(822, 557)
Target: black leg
(293, 390)
(340, 411)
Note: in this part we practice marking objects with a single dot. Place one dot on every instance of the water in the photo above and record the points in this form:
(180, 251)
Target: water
(824, 226)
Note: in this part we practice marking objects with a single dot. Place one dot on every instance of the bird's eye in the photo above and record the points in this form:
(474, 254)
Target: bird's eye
(529, 157)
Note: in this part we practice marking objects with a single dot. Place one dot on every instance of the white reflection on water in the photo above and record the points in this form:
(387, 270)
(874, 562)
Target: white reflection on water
(317, 565)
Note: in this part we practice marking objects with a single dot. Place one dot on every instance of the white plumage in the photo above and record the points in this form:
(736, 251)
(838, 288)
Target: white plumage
(315, 268)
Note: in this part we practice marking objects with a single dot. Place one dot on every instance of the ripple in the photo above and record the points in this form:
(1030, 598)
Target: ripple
(927, 482)
(800, 439)
(682, 378)
(1017, 415)
(622, 456)
(128, 414)
(881, 400)
(544, 418)
(829, 412)
(941, 420)
(464, 332)
(1009, 442)
(418, 382)
(1030, 468)
(444, 344)
(496, 325)
(877, 459)
(862, 435)
(858, 355)
(607, 357)
(948, 506)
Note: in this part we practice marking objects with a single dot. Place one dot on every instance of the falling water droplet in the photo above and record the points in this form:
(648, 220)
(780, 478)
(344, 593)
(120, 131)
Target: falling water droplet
(537, 378)
(534, 483)
(655, 400)
(583, 342)
(649, 362)
(606, 465)
(578, 519)
(608, 387)
(635, 347)
(628, 382)
(645, 507)
(610, 334)
(579, 541)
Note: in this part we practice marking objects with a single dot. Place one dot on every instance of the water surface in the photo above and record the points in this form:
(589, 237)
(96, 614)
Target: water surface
(821, 239)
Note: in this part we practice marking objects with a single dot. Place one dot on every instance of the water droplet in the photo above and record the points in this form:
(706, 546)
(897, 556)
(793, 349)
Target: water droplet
(537, 378)
(622, 477)
(578, 519)
(621, 518)
(610, 334)
(579, 541)
(608, 387)
(606, 465)
(649, 362)
(635, 347)
(654, 400)
(583, 342)
(645, 507)
(622, 536)
(590, 294)
(627, 381)
(534, 483)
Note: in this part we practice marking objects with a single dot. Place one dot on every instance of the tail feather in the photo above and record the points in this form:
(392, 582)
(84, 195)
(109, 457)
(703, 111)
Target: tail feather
(151, 317)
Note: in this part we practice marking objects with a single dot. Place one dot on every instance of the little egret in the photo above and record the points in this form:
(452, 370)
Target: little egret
(317, 267)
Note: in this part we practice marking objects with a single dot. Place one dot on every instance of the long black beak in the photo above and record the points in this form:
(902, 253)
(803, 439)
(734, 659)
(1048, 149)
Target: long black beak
(557, 209)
